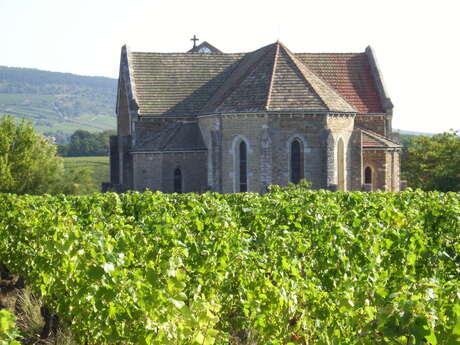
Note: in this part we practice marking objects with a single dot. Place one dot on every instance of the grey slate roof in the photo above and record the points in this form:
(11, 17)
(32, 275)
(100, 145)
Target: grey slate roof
(178, 83)
(270, 78)
(177, 136)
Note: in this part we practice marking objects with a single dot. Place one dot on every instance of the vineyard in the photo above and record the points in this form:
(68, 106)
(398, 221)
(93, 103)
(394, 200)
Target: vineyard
(289, 267)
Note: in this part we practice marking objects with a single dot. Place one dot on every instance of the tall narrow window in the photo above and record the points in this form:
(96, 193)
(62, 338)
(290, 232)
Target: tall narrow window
(177, 181)
(296, 162)
(243, 167)
(340, 165)
(368, 175)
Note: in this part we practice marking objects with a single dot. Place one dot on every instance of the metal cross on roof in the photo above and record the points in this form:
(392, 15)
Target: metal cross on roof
(194, 39)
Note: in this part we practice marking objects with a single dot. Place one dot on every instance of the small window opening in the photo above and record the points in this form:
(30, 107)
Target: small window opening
(368, 175)
(177, 181)
(296, 162)
(243, 167)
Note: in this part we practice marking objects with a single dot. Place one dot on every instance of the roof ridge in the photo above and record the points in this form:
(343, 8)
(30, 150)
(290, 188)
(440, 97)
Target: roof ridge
(302, 69)
(237, 83)
(187, 54)
(330, 53)
(296, 63)
(272, 76)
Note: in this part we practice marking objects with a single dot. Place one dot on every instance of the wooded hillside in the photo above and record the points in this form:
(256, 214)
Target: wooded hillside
(58, 103)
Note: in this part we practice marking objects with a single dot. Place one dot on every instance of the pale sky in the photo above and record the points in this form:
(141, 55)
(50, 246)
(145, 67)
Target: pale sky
(416, 42)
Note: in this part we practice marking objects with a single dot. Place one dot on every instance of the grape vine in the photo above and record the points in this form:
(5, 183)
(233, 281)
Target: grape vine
(289, 267)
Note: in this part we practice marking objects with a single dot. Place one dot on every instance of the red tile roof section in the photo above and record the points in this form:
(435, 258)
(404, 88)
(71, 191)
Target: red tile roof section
(350, 75)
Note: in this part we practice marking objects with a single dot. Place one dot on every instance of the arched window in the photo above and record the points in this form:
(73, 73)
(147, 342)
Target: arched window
(368, 175)
(243, 167)
(340, 165)
(177, 181)
(296, 161)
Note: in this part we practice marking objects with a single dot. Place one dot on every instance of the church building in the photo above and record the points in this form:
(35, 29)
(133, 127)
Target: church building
(206, 120)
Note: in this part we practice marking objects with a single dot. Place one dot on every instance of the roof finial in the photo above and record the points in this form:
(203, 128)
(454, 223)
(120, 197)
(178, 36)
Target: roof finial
(194, 39)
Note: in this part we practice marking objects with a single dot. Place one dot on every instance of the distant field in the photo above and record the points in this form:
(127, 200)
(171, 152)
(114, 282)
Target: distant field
(99, 166)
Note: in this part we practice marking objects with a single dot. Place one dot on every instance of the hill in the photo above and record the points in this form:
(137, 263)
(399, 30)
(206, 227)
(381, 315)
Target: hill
(58, 103)
(404, 132)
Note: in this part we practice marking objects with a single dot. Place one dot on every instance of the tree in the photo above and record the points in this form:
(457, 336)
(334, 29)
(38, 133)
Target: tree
(28, 161)
(78, 181)
(433, 163)
(84, 143)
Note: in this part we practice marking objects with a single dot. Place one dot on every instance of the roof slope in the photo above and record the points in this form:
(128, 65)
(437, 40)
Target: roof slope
(270, 78)
(371, 139)
(350, 75)
(177, 136)
(300, 88)
(178, 83)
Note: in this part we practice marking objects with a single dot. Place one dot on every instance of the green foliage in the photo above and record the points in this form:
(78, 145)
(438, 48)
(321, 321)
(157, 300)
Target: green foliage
(29, 164)
(289, 267)
(28, 161)
(406, 141)
(433, 163)
(84, 143)
(8, 329)
(98, 167)
(302, 185)
(79, 181)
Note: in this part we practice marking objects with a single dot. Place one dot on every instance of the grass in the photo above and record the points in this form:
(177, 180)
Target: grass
(30, 319)
(98, 165)
(26, 306)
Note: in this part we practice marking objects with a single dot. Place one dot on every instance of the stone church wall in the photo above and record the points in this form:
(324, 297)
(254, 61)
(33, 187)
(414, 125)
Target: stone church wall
(193, 167)
(212, 136)
(341, 127)
(376, 159)
(356, 160)
(269, 138)
(147, 169)
(246, 127)
(125, 162)
(310, 130)
(114, 160)
(375, 123)
(385, 167)
(392, 178)
(155, 171)
(397, 171)
(122, 112)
